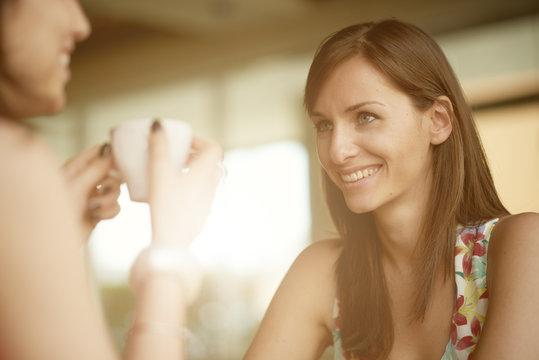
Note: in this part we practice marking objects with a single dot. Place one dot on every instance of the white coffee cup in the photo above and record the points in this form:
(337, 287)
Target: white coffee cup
(130, 150)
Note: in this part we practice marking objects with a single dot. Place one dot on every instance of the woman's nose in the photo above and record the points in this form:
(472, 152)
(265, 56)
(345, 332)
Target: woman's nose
(343, 145)
(82, 27)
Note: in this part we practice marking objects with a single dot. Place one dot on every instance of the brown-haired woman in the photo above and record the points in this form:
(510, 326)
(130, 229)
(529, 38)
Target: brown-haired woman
(47, 307)
(410, 192)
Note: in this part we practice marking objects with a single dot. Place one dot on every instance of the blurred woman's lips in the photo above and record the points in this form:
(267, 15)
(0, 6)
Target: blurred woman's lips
(65, 59)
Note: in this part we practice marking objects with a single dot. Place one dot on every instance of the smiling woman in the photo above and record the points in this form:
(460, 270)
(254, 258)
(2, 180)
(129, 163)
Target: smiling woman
(375, 129)
(410, 192)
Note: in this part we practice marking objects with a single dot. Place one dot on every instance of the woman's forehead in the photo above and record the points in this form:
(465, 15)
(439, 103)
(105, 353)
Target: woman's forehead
(355, 79)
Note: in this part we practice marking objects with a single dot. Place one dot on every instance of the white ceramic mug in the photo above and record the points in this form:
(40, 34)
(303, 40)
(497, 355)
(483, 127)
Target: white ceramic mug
(130, 150)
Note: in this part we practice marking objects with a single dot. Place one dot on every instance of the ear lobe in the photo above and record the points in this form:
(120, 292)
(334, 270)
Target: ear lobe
(440, 118)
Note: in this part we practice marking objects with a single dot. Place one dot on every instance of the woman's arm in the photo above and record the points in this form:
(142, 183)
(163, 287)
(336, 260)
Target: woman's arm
(511, 327)
(179, 204)
(159, 330)
(47, 308)
(298, 322)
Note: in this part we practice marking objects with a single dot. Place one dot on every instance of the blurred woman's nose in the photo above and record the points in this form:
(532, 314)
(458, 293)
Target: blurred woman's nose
(82, 27)
(343, 145)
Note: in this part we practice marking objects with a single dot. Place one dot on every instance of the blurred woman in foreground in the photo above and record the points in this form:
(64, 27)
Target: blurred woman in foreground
(47, 307)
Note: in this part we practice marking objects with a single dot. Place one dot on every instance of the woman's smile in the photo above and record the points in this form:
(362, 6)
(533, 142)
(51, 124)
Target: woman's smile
(357, 175)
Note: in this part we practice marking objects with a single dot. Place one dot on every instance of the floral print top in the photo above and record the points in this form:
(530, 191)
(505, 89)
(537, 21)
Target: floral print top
(471, 298)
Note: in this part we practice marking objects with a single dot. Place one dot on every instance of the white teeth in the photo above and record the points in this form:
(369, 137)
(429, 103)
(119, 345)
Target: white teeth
(65, 59)
(358, 175)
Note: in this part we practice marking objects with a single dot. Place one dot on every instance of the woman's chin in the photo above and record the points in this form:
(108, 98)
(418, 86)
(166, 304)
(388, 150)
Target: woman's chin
(52, 105)
(41, 103)
(358, 207)
(57, 107)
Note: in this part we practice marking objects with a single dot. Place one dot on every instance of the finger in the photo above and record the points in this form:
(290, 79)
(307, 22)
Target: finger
(108, 185)
(77, 163)
(200, 144)
(206, 153)
(103, 200)
(107, 193)
(103, 204)
(105, 213)
(159, 160)
(93, 174)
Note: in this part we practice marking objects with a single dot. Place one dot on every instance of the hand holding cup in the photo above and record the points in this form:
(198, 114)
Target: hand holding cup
(180, 200)
(130, 150)
(175, 172)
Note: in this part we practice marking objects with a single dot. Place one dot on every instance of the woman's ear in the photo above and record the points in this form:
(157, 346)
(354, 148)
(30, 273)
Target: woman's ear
(440, 120)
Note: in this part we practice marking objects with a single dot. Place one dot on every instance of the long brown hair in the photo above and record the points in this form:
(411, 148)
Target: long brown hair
(462, 189)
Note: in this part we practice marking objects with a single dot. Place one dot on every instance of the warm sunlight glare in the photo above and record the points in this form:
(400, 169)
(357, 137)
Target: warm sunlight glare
(259, 223)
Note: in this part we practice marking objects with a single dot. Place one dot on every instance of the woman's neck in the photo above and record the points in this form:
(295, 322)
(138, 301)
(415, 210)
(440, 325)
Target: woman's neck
(399, 226)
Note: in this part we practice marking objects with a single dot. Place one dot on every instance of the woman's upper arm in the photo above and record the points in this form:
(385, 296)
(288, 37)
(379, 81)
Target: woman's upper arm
(511, 326)
(46, 305)
(295, 325)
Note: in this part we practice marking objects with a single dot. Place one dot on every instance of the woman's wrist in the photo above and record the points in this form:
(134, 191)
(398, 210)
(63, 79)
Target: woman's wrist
(161, 328)
(160, 299)
(166, 263)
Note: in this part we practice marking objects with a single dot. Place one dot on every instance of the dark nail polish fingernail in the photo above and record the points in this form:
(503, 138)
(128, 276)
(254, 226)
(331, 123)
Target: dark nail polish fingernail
(156, 126)
(105, 150)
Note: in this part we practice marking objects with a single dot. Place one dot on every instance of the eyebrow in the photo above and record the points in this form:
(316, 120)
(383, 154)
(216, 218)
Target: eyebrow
(352, 108)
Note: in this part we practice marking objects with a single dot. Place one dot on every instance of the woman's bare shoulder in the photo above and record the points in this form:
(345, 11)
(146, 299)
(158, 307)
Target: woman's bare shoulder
(313, 273)
(513, 290)
(315, 269)
(320, 253)
(513, 237)
(521, 219)
(513, 247)
(24, 154)
(31, 181)
(512, 229)
(298, 322)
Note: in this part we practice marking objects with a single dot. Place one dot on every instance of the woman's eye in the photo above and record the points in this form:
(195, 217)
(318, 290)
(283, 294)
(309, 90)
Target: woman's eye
(323, 125)
(365, 118)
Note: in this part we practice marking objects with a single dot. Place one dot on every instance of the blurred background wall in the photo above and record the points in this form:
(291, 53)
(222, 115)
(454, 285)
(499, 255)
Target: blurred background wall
(235, 69)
